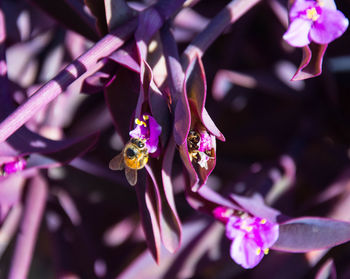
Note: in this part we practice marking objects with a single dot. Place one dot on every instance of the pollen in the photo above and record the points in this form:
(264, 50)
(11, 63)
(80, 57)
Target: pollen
(140, 123)
(312, 14)
(263, 221)
(266, 251)
(145, 117)
(258, 251)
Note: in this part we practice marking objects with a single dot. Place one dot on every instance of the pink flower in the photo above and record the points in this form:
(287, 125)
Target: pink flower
(251, 238)
(200, 147)
(318, 21)
(149, 130)
(14, 166)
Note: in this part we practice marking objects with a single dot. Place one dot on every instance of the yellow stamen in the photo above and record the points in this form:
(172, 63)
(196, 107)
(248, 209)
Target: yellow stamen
(228, 212)
(139, 122)
(258, 251)
(312, 14)
(245, 227)
(263, 221)
(266, 251)
(145, 117)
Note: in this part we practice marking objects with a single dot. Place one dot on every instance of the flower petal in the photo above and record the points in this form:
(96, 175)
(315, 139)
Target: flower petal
(269, 234)
(154, 132)
(330, 26)
(297, 34)
(299, 7)
(328, 4)
(246, 252)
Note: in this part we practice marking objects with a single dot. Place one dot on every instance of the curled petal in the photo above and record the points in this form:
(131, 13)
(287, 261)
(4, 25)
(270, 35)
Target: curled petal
(330, 26)
(298, 32)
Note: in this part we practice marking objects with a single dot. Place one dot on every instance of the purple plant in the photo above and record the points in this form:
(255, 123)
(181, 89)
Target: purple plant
(100, 95)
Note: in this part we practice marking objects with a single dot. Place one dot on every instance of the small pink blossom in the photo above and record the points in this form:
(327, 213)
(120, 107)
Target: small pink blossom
(223, 213)
(251, 238)
(205, 143)
(318, 21)
(149, 130)
(14, 166)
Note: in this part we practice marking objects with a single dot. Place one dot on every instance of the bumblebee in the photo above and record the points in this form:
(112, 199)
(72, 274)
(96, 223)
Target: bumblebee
(133, 157)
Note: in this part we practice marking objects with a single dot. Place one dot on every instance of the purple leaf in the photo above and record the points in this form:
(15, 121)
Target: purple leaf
(175, 83)
(171, 219)
(327, 271)
(196, 89)
(149, 205)
(97, 9)
(206, 200)
(149, 23)
(198, 235)
(99, 80)
(311, 64)
(123, 90)
(170, 228)
(126, 56)
(117, 11)
(71, 14)
(255, 205)
(311, 233)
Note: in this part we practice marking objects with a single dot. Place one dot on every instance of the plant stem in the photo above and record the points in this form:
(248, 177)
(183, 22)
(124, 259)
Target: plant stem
(74, 70)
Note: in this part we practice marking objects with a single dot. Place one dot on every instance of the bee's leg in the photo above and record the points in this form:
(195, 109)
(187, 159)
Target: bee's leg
(131, 176)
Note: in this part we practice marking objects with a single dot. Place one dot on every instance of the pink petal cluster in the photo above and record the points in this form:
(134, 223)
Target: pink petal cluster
(149, 130)
(251, 236)
(316, 21)
(14, 166)
(205, 143)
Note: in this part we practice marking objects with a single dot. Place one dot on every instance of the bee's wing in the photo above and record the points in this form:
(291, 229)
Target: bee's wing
(117, 163)
(131, 176)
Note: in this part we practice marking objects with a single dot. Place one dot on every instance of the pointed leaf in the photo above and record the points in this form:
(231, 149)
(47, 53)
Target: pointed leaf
(175, 82)
(122, 90)
(311, 64)
(97, 8)
(149, 217)
(171, 218)
(327, 271)
(126, 56)
(255, 205)
(311, 233)
(195, 88)
(117, 11)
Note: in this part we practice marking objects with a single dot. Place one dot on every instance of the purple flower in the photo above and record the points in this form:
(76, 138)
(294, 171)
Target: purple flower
(251, 238)
(318, 21)
(223, 213)
(200, 147)
(149, 130)
(13, 166)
